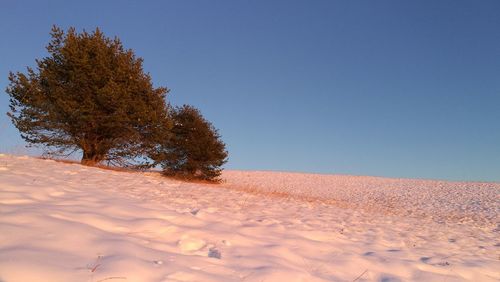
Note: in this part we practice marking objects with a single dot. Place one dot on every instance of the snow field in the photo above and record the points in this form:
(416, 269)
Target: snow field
(66, 222)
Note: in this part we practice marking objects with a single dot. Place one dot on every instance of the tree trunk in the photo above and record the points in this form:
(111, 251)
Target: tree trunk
(91, 157)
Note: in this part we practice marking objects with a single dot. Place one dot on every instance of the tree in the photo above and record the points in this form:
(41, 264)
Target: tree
(89, 94)
(194, 149)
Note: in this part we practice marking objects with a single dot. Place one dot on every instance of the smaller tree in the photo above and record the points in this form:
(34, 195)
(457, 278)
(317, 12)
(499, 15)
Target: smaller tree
(194, 150)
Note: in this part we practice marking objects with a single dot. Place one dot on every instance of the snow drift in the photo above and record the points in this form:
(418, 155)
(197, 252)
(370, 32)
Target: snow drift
(67, 222)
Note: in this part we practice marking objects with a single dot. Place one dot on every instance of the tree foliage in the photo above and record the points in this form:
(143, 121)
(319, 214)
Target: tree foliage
(89, 94)
(194, 149)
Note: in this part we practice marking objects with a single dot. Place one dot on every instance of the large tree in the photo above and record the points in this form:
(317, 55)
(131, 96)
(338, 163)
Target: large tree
(89, 94)
(194, 149)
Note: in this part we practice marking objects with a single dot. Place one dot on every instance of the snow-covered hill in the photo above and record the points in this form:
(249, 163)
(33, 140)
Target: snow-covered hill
(67, 222)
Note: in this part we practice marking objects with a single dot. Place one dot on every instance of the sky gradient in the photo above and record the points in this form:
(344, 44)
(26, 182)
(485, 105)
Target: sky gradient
(385, 88)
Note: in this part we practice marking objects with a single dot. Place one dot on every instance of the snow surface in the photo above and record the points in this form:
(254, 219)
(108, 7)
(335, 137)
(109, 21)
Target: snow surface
(67, 222)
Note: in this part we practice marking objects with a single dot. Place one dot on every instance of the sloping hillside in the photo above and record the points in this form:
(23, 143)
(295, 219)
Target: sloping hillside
(67, 222)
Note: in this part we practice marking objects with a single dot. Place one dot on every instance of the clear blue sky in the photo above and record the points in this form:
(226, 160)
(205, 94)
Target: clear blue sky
(387, 88)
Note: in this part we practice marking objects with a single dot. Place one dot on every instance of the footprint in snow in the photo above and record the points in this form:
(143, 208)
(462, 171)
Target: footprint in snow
(158, 262)
(432, 261)
(194, 211)
(389, 279)
(214, 253)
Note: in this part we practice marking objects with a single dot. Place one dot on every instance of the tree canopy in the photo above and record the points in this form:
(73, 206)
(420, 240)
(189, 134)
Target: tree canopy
(91, 94)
